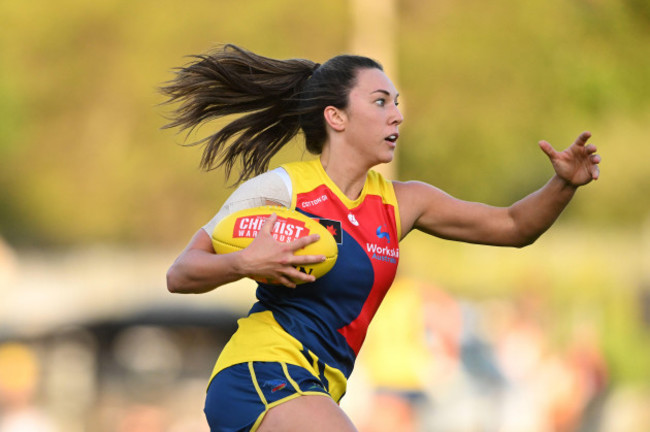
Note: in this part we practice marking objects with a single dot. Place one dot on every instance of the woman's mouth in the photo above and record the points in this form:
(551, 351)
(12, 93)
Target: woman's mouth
(392, 138)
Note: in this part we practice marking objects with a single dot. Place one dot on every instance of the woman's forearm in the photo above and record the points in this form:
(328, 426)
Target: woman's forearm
(535, 213)
(198, 269)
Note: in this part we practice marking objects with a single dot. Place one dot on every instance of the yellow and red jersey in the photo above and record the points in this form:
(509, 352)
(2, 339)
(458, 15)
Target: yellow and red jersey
(322, 325)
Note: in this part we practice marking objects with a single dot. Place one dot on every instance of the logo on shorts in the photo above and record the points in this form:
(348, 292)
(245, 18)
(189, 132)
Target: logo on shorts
(276, 385)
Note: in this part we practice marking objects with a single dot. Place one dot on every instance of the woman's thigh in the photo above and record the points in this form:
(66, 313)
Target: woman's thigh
(312, 413)
(241, 397)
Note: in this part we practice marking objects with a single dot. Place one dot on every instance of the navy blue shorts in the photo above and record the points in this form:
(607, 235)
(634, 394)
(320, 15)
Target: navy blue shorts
(239, 396)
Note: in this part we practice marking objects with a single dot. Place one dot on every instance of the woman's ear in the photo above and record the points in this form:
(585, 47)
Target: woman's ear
(335, 118)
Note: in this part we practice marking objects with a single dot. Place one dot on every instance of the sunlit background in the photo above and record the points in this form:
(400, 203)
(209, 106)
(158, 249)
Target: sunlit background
(96, 201)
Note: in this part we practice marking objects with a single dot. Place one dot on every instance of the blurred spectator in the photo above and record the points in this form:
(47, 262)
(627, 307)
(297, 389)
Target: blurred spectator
(397, 360)
(143, 418)
(7, 265)
(19, 381)
(588, 364)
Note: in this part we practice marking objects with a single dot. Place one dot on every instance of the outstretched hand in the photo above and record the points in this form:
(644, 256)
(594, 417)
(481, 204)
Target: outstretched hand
(578, 164)
(269, 260)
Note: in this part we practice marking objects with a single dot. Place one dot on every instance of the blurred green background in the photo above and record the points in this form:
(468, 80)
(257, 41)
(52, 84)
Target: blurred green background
(85, 163)
(481, 83)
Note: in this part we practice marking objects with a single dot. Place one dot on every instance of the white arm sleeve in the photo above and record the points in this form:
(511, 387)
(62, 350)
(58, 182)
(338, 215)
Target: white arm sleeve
(274, 185)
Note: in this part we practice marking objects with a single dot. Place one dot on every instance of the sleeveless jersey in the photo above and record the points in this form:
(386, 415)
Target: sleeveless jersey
(326, 321)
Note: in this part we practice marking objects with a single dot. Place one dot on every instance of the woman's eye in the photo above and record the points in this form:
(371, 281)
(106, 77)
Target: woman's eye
(380, 102)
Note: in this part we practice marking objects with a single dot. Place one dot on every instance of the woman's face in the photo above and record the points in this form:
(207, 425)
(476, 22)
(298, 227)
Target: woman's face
(372, 116)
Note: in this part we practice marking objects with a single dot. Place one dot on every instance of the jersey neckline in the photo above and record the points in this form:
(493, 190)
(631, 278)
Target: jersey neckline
(349, 203)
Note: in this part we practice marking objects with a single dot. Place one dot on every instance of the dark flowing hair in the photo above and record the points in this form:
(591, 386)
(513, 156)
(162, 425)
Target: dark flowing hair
(275, 100)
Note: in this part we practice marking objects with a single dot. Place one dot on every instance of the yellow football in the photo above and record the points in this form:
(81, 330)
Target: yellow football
(237, 230)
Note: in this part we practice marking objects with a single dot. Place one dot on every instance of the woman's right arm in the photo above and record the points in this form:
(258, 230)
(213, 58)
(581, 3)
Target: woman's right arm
(199, 269)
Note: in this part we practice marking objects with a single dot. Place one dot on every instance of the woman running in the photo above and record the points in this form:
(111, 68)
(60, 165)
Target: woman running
(287, 365)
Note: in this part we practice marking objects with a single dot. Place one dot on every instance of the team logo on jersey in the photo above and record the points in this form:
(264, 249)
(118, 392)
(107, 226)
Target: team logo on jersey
(352, 219)
(383, 234)
(380, 253)
(334, 228)
(316, 201)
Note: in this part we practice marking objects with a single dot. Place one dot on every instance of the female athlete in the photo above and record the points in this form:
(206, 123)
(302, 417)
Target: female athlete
(286, 366)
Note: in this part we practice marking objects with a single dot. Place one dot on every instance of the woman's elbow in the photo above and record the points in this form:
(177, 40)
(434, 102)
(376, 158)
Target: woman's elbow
(523, 244)
(523, 241)
(521, 235)
(174, 281)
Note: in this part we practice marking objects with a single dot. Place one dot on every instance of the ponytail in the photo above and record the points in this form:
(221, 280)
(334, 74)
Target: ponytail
(274, 98)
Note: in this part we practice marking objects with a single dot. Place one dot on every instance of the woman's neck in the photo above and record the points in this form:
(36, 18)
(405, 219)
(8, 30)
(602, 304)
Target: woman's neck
(345, 173)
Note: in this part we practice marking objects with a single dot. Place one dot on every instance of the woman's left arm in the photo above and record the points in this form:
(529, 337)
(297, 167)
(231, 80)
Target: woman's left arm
(429, 209)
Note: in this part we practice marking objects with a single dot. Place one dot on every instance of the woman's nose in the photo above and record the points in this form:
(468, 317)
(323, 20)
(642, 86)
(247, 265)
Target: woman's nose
(397, 117)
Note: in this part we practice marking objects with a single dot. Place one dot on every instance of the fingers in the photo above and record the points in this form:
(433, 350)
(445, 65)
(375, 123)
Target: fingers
(591, 149)
(281, 258)
(577, 164)
(299, 260)
(291, 276)
(594, 159)
(286, 282)
(268, 223)
(590, 152)
(295, 246)
(581, 141)
(595, 169)
(547, 148)
(595, 172)
(298, 276)
(267, 228)
(583, 138)
(303, 241)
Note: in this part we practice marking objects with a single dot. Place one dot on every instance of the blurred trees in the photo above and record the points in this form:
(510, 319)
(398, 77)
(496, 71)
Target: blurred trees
(84, 159)
(502, 76)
